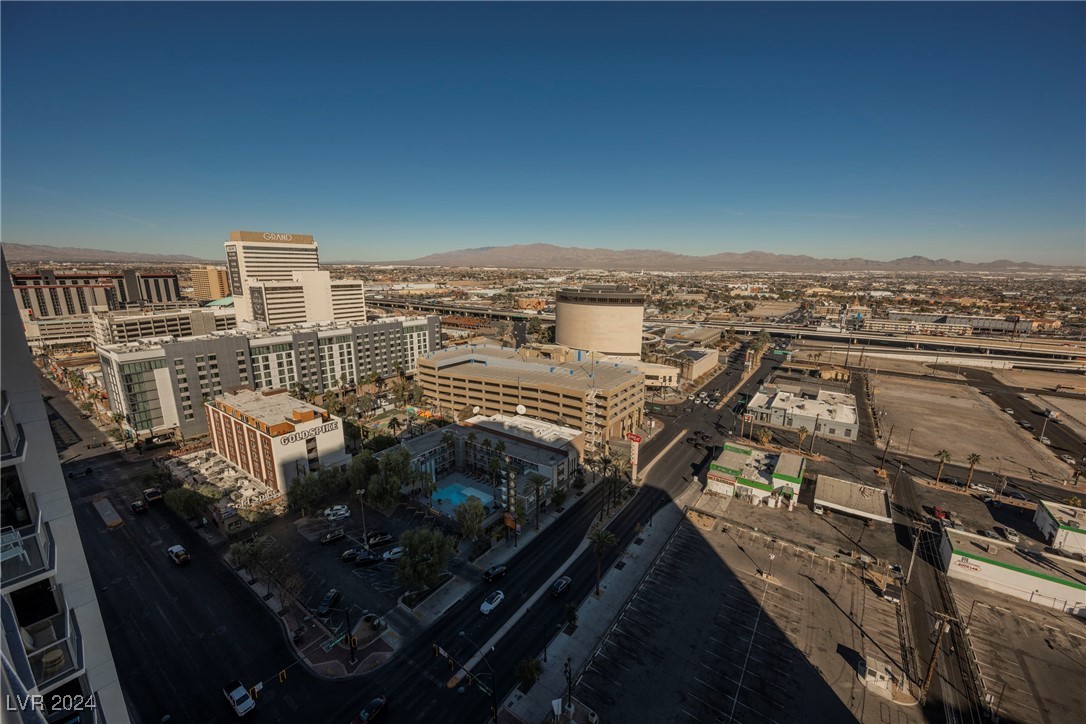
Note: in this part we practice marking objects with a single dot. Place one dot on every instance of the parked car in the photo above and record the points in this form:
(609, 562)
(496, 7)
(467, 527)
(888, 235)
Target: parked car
(393, 554)
(987, 499)
(1018, 495)
(368, 558)
(138, 506)
(177, 554)
(377, 539)
(352, 554)
(819, 510)
(939, 512)
(336, 513)
(160, 439)
(982, 488)
(492, 601)
(332, 535)
(950, 480)
(559, 587)
(1011, 534)
(1067, 459)
(988, 534)
(329, 600)
(372, 710)
(152, 495)
(495, 572)
(1044, 440)
(239, 698)
(1008, 410)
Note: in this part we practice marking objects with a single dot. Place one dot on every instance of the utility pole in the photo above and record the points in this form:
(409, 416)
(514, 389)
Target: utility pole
(945, 620)
(920, 528)
(886, 451)
(814, 434)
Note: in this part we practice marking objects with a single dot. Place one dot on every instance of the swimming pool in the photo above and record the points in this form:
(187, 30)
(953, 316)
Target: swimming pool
(453, 495)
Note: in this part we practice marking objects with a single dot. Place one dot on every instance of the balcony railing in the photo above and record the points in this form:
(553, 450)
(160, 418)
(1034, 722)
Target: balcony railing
(23, 555)
(59, 661)
(13, 452)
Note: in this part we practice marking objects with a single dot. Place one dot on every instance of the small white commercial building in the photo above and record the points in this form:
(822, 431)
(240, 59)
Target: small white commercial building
(273, 437)
(755, 475)
(1045, 579)
(1063, 526)
(845, 496)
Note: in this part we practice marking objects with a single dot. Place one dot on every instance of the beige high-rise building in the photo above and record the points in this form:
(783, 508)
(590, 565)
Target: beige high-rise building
(265, 256)
(210, 283)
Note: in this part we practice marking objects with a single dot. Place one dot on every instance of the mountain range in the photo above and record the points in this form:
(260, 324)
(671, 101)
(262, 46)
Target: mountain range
(29, 253)
(549, 256)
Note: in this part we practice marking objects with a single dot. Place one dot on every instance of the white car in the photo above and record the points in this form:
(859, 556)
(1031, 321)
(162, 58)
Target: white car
(492, 601)
(982, 488)
(818, 510)
(393, 554)
(1011, 534)
(1067, 459)
(177, 554)
(239, 698)
(336, 512)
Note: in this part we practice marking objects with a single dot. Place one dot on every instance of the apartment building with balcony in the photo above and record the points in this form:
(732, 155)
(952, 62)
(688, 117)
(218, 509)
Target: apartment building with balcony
(54, 641)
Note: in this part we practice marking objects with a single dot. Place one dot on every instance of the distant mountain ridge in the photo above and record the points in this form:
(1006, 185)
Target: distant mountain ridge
(549, 256)
(27, 253)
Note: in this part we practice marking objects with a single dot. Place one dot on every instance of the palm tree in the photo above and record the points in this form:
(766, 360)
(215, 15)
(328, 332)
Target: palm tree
(943, 456)
(973, 459)
(487, 445)
(493, 467)
(601, 539)
(118, 418)
(471, 450)
(537, 481)
(395, 425)
(802, 435)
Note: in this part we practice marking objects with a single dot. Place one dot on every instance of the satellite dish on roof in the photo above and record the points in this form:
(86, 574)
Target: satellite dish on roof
(521, 409)
(475, 409)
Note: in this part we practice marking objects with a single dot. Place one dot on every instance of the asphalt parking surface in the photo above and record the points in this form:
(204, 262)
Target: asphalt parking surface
(737, 648)
(1026, 655)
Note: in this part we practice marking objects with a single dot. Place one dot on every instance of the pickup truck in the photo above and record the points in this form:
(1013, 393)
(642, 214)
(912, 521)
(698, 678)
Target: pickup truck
(239, 698)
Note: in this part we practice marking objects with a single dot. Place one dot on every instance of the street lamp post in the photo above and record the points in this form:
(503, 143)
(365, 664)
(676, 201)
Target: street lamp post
(493, 681)
(362, 504)
(568, 670)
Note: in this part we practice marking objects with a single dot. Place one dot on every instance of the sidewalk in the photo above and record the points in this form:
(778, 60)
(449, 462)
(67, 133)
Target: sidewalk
(595, 616)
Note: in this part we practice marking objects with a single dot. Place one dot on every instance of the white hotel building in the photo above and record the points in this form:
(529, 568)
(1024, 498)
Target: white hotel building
(273, 437)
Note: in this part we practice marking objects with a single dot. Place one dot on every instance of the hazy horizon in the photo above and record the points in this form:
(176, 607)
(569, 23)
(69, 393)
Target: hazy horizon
(394, 131)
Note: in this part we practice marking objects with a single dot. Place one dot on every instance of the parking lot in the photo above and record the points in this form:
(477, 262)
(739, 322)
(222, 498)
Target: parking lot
(738, 647)
(363, 588)
(976, 516)
(1027, 656)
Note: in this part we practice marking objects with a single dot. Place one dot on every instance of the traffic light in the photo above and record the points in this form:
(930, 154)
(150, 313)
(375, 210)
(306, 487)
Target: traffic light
(354, 642)
(282, 676)
(436, 653)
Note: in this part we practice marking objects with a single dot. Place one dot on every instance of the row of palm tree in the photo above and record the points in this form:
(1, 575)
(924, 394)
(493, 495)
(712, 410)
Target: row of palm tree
(943, 456)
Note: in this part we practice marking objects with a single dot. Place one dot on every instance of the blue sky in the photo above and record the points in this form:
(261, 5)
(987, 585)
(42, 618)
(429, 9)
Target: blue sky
(390, 131)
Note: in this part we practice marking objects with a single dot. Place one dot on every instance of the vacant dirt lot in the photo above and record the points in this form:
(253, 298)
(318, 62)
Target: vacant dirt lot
(962, 421)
